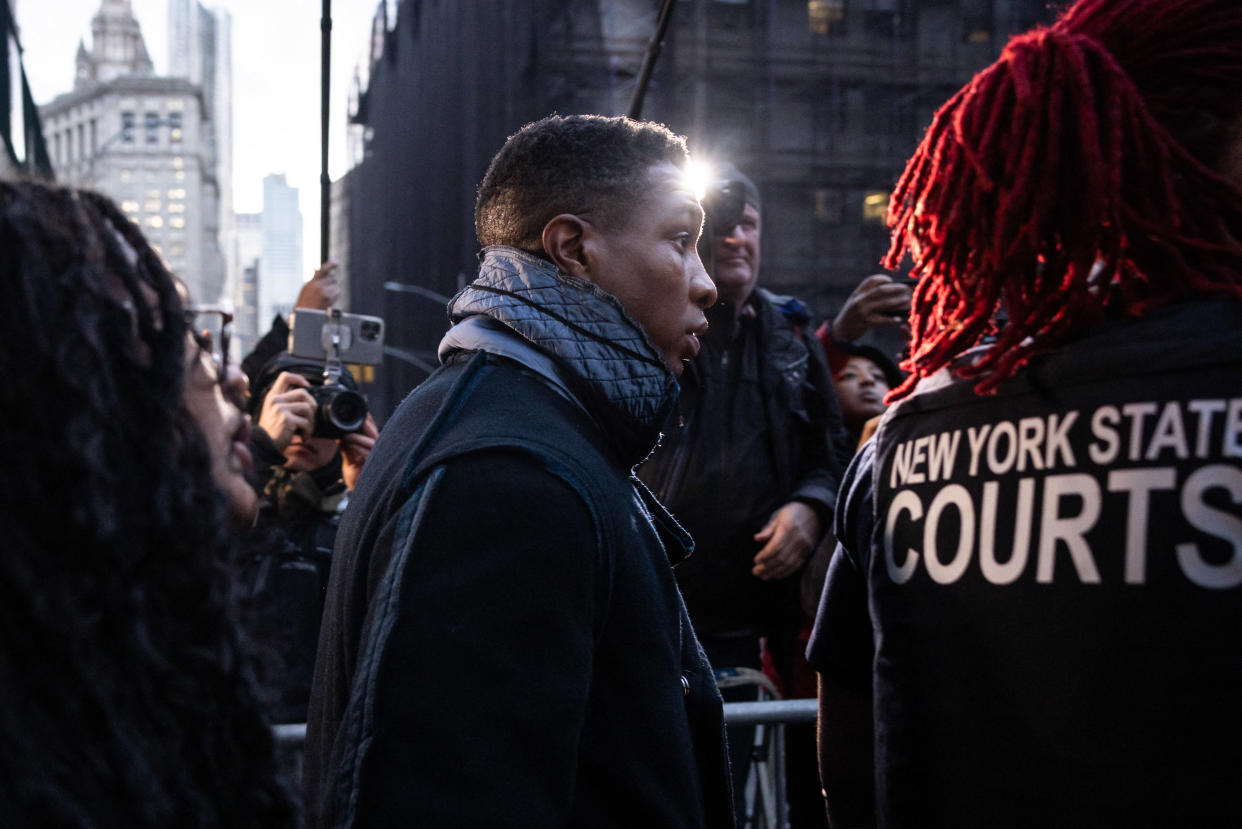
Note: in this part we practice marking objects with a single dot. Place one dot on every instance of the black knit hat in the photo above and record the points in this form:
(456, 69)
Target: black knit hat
(728, 172)
(312, 370)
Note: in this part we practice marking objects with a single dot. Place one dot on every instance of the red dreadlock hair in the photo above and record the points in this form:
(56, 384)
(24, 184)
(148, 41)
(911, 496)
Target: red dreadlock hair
(1074, 179)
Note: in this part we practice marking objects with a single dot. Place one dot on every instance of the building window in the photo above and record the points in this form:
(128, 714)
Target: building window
(826, 16)
(127, 175)
(977, 22)
(174, 126)
(152, 206)
(154, 221)
(731, 16)
(94, 136)
(129, 206)
(875, 207)
(127, 127)
(828, 206)
(176, 207)
(81, 140)
(60, 159)
(883, 19)
(176, 193)
(153, 127)
(176, 221)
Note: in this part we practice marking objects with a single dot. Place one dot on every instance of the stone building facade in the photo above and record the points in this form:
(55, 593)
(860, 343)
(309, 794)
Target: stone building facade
(145, 142)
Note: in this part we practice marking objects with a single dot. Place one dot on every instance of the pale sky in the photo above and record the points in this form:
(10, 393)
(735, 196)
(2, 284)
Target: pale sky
(276, 82)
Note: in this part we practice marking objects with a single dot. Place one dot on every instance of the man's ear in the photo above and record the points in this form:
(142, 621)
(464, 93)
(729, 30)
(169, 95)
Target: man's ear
(564, 238)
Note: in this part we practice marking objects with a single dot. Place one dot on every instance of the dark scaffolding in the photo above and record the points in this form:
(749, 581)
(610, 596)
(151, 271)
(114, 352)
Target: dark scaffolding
(820, 102)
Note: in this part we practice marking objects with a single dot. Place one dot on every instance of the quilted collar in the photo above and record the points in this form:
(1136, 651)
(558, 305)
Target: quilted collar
(605, 356)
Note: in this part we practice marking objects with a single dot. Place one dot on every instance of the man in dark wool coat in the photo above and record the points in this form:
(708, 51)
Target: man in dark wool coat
(503, 642)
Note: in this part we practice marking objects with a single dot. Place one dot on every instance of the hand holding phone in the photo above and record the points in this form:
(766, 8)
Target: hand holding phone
(878, 300)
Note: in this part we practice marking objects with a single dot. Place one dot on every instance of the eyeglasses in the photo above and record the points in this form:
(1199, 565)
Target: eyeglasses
(212, 329)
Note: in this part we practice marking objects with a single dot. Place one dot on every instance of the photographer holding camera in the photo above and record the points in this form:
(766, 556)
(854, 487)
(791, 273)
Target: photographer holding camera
(292, 423)
(310, 443)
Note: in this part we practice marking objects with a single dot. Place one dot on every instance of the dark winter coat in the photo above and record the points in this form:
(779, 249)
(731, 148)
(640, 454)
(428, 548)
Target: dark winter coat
(754, 429)
(1040, 590)
(285, 568)
(504, 643)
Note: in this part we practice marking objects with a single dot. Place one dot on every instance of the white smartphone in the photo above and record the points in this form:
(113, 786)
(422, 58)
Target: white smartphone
(360, 338)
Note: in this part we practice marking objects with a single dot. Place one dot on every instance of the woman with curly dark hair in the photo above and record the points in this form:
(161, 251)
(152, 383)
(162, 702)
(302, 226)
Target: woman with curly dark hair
(126, 698)
(1034, 617)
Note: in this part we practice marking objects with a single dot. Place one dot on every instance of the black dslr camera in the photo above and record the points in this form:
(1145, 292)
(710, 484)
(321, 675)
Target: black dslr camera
(336, 338)
(338, 410)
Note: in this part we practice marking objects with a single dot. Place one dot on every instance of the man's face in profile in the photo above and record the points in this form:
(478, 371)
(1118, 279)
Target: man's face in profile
(649, 261)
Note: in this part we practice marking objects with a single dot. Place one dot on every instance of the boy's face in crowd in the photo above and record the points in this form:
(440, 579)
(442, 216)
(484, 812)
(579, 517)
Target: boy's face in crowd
(861, 386)
(649, 262)
(735, 256)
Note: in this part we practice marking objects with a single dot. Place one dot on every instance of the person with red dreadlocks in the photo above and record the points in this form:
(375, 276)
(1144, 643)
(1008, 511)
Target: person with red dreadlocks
(1034, 616)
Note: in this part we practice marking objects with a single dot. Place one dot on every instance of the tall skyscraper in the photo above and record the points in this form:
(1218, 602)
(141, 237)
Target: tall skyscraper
(247, 250)
(145, 141)
(200, 49)
(280, 263)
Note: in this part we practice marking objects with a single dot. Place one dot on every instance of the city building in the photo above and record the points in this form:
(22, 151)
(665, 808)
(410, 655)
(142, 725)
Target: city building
(338, 233)
(280, 261)
(247, 250)
(200, 49)
(819, 101)
(146, 142)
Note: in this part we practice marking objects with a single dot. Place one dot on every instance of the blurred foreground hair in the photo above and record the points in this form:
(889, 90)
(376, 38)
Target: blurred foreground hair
(126, 697)
(1077, 178)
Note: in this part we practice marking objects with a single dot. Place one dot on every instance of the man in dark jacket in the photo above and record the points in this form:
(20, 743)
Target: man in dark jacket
(504, 643)
(748, 467)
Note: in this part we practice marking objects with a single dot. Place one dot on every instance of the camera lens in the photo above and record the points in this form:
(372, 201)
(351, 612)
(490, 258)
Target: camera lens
(347, 410)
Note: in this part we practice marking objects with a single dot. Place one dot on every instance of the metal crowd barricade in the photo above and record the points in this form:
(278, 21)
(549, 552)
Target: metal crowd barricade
(764, 792)
(765, 802)
(736, 713)
(767, 806)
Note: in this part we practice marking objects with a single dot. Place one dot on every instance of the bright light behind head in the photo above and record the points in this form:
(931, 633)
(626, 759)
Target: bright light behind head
(699, 177)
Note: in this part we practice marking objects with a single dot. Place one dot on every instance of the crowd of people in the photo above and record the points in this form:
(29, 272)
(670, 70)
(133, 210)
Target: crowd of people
(1011, 565)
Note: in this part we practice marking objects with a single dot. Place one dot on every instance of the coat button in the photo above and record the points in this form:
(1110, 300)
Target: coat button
(685, 685)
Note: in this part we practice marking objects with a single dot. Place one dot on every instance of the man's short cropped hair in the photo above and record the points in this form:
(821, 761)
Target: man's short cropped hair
(579, 164)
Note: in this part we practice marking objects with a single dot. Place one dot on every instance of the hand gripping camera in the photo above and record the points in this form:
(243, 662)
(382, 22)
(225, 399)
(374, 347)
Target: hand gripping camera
(336, 338)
